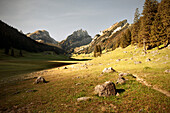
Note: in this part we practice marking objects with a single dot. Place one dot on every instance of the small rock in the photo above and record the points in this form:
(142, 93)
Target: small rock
(103, 109)
(40, 79)
(106, 89)
(167, 71)
(83, 99)
(65, 68)
(108, 70)
(123, 74)
(117, 94)
(121, 80)
(118, 60)
(78, 84)
(124, 51)
(148, 60)
(137, 62)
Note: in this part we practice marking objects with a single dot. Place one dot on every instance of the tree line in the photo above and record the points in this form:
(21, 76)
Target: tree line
(149, 29)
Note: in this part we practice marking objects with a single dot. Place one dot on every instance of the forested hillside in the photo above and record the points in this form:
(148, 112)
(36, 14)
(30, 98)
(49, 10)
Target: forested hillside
(12, 38)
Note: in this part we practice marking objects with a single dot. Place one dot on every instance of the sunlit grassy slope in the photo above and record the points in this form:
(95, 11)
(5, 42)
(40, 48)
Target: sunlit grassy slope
(66, 85)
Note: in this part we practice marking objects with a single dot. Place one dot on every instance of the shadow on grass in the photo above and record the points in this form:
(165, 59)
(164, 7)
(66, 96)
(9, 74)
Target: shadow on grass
(72, 59)
(120, 90)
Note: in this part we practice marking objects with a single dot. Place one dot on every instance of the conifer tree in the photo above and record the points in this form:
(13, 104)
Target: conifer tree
(164, 11)
(12, 52)
(135, 27)
(149, 12)
(20, 53)
(125, 39)
(136, 16)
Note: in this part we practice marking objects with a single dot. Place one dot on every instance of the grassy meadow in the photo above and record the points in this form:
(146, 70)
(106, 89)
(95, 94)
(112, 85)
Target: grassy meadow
(79, 80)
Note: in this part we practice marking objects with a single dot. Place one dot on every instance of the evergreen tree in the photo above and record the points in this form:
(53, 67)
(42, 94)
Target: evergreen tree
(12, 52)
(135, 27)
(6, 51)
(20, 53)
(149, 12)
(97, 51)
(125, 39)
(164, 11)
(136, 16)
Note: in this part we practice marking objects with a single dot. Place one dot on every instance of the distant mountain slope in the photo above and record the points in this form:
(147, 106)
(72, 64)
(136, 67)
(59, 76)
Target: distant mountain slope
(76, 39)
(107, 38)
(42, 36)
(11, 37)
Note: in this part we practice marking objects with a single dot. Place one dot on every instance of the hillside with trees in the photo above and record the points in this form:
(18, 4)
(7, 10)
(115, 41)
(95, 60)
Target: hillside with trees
(12, 38)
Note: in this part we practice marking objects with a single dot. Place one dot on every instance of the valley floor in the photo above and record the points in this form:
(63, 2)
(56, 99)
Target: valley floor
(79, 80)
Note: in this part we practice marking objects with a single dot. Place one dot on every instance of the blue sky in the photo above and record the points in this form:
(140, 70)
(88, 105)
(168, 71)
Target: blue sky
(61, 17)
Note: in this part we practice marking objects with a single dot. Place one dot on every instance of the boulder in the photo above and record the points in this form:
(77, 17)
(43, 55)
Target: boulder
(40, 79)
(108, 70)
(121, 80)
(106, 89)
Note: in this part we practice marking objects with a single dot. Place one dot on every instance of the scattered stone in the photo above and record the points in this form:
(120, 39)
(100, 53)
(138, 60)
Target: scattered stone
(90, 64)
(126, 59)
(167, 71)
(123, 74)
(65, 68)
(118, 60)
(108, 70)
(137, 62)
(117, 94)
(148, 60)
(103, 109)
(40, 79)
(78, 84)
(83, 99)
(106, 89)
(121, 80)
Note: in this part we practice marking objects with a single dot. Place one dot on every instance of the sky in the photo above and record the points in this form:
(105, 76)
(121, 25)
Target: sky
(61, 17)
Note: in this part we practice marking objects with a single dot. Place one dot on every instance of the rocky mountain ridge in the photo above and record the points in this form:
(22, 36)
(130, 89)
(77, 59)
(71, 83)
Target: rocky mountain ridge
(76, 39)
(42, 36)
(106, 38)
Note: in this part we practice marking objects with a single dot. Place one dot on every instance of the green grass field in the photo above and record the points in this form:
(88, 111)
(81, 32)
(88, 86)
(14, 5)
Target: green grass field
(61, 92)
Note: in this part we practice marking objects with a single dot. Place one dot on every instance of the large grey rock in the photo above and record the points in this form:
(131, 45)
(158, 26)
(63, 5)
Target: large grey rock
(106, 89)
(40, 79)
(108, 70)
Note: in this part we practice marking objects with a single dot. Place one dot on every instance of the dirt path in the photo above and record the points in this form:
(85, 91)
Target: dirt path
(152, 86)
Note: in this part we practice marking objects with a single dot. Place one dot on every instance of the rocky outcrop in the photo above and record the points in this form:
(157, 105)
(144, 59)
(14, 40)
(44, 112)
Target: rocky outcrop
(42, 36)
(106, 38)
(76, 39)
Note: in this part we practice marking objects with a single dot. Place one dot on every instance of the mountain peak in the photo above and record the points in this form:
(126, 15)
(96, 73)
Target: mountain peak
(42, 36)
